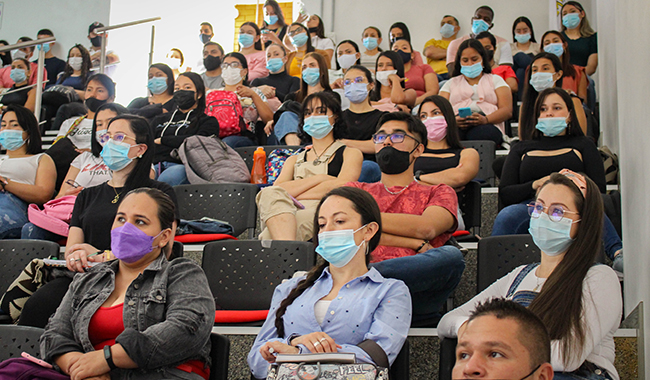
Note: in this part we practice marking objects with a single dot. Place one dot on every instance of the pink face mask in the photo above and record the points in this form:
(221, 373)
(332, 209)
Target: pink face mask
(130, 244)
(436, 128)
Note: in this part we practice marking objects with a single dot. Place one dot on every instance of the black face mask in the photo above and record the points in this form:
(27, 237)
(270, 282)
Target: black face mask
(96, 41)
(490, 55)
(406, 57)
(312, 30)
(393, 161)
(184, 99)
(205, 38)
(211, 63)
(93, 104)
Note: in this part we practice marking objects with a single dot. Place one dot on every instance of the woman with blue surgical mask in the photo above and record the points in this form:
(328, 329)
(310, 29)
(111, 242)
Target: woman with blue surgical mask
(339, 292)
(160, 84)
(582, 40)
(482, 101)
(524, 47)
(575, 78)
(21, 95)
(301, 46)
(287, 208)
(274, 28)
(278, 83)
(314, 78)
(250, 44)
(371, 39)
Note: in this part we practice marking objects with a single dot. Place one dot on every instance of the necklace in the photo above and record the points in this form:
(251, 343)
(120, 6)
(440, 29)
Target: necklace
(317, 161)
(396, 192)
(117, 195)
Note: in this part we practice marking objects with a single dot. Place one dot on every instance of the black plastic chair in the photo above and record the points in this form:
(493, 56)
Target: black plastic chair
(16, 254)
(499, 255)
(14, 340)
(230, 202)
(469, 201)
(247, 152)
(447, 358)
(177, 251)
(486, 150)
(400, 368)
(243, 274)
(219, 353)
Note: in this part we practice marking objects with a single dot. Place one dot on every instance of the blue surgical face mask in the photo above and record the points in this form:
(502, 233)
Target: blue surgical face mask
(479, 26)
(274, 64)
(46, 48)
(116, 155)
(299, 40)
(311, 76)
(551, 126)
(542, 81)
(246, 40)
(447, 30)
(317, 126)
(270, 19)
(472, 71)
(11, 139)
(522, 38)
(571, 20)
(338, 247)
(157, 85)
(370, 43)
(553, 238)
(555, 48)
(18, 75)
(356, 92)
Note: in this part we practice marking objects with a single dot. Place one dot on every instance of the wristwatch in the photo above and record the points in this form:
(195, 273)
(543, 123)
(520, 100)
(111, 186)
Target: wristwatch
(108, 355)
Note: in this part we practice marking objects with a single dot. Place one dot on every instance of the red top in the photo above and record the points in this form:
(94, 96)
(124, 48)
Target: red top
(504, 71)
(414, 200)
(415, 78)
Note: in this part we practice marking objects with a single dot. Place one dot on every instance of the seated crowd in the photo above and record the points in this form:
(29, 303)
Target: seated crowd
(374, 182)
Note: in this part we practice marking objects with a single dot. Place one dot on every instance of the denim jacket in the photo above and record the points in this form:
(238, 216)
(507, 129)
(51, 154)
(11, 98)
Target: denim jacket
(168, 315)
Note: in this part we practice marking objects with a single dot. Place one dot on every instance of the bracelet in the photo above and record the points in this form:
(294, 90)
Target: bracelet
(486, 120)
(108, 355)
(422, 246)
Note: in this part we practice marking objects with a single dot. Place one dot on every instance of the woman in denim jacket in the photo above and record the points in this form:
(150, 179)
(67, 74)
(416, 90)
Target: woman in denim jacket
(139, 316)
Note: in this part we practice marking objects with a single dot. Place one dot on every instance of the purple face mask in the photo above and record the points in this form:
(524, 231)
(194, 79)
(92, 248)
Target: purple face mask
(130, 244)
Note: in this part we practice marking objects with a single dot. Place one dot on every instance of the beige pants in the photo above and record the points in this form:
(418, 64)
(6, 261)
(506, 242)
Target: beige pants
(274, 200)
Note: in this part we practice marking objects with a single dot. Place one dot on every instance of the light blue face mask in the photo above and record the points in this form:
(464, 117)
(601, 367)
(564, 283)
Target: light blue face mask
(157, 85)
(370, 43)
(571, 20)
(11, 139)
(553, 238)
(116, 155)
(551, 126)
(299, 40)
(18, 75)
(270, 19)
(447, 30)
(311, 76)
(46, 48)
(542, 81)
(317, 126)
(274, 64)
(338, 247)
(522, 38)
(479, 26)
(472, 71)
(356, 92)
(246, 40)
(555, 48)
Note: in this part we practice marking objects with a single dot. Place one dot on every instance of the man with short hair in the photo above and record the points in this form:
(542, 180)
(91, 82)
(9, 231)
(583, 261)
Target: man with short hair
(206, 32)
(53, 65)
(417, 220)
(95, 51)
(503, 340)
(436, 50)
(481, 22)
(212, 59)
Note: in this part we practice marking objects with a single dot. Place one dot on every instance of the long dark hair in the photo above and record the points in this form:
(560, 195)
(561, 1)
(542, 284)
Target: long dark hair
(476, 45)
(363, 204)
(310, 47)
(405, 32)
(258, 44)
(105, 81)
(527, 113)
(526, 21)
(320, 28)
(29, 124)
(327, 100)
(200, 90)
(86, 65)
(95, 146)
(559, 304)
(278, 12)
(356, 49)
(242, 62)
(324, 79)
(365, 72)
(567, 67)
(398, 65)
(168, 72)
(453, 137)
(139, 176)
(573, 125)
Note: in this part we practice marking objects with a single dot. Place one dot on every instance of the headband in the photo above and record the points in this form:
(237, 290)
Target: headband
(577, 179)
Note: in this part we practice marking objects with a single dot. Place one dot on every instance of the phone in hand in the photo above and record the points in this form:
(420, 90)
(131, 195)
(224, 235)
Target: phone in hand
(35, 360)
(73, 183)
(464, 112)
(297, 203)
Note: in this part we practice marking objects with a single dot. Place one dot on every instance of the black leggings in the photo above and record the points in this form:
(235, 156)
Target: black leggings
(43, 303)
(482, 132)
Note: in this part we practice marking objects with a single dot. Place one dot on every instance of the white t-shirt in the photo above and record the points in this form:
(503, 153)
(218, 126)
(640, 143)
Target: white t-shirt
(369, 61)
(496, 80)
(81, 135)
(92, 170)
(322, 43)
(21, 169)
(320, 308)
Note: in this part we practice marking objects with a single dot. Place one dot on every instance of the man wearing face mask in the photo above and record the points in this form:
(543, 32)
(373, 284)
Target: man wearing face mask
(95, 51)
(481, 22)
(212, 58)
(53, 65)
(26, 53)
(417, 220)
(436, 50)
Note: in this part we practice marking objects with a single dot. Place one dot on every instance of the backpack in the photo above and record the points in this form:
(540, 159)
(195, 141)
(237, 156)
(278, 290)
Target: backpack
(226, 108)
(208, 159)
(275, 161)
(610, 162)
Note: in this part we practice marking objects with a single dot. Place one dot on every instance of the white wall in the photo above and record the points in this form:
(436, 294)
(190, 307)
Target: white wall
(607, 64)
(68, 20)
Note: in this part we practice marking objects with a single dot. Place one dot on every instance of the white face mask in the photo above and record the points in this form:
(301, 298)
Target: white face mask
(75, 62)
(231, 76)
(20, 54)
(173, 63)
(382, 76)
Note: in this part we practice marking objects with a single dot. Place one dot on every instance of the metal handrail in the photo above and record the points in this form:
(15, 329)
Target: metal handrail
(102, 31)
(25, 44)
(22, 88)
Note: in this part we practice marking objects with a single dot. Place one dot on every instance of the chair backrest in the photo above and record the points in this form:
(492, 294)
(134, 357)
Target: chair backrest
(16, 339)
(16, 254)
(219, 353)
(486, 150)
(243, 274)
(400, 368)
(177, 250)
(246, 152)
(230, 202)
(469, 201)
(447, 358)
(499, 255)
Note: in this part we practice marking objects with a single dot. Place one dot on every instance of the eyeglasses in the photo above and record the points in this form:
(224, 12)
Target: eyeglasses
(293, 33)
(117, 137)
(555, 211)
(234, 65)
(395, 138)
(347, 82)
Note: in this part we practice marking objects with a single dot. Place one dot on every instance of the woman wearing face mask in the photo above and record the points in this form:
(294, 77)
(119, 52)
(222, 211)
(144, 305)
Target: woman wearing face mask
(421, 77)
(94, 334)
(371, 39)
(26, 174)
(389, 93)
(524, 47)
(315, 78)
(274, 28)
(250, 41)
(504, 71)
(302, 45)
(317, 35)
(77, 70)
(574, 76)
(175, 60)
(579, 302)
(582, 40)
(128, 152)
(347, 228)
(22, 95)
(487, 96)
(161, 91)
(278, 80)
(399, 31)
(347, 54)
(309, 175)
(171, 130)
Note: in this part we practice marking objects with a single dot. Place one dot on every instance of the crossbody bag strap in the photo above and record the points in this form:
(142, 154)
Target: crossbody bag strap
(72, 128)
(376, 353)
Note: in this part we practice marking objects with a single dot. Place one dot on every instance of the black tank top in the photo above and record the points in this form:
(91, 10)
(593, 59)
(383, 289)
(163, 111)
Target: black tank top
(16, 98)
(428, 165)
(334, 166)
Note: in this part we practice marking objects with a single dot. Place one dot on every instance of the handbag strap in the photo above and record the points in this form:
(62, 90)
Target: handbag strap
(376, 353)
(72, 128)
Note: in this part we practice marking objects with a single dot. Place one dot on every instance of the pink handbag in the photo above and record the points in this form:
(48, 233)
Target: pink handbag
(55, 215)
